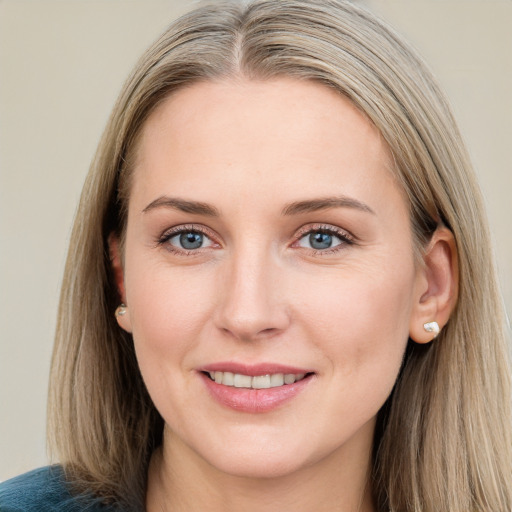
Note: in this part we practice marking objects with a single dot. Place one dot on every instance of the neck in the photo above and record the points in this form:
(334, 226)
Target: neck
(181, 481)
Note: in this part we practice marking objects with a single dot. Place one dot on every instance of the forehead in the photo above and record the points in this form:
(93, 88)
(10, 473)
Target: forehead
(250, 136)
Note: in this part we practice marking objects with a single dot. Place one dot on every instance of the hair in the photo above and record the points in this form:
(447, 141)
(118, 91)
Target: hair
(443, 438)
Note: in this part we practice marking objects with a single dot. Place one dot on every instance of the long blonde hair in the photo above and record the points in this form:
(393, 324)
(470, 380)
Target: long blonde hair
(443, 440)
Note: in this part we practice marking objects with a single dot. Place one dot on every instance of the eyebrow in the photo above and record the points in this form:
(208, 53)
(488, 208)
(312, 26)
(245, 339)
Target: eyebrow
(183, 205)
(313, 205)
(295, 208)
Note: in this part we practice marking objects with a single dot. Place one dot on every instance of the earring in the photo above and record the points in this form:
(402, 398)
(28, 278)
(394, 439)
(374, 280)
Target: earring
(432, 327)
(121, 310)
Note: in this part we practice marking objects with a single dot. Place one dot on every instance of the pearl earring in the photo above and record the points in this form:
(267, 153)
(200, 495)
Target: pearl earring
(432, 327)
(121, 310)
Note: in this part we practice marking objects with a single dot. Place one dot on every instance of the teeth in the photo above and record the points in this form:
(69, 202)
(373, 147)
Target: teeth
(277, 379)
(228, 379)
(289, 378)
(242, 381)
(261, 382)
(239, 380)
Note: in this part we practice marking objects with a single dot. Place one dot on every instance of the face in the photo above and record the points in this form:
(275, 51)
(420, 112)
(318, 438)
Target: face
(267, 244)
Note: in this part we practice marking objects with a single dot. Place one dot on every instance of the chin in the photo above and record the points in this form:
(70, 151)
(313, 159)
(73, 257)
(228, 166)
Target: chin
(267, 457)
(262, 467)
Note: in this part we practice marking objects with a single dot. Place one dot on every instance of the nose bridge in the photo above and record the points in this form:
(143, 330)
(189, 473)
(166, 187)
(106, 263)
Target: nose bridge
(252, 302)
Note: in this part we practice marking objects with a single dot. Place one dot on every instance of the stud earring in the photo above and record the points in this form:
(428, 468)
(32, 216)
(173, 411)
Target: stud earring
(432, 327)
(121, 310)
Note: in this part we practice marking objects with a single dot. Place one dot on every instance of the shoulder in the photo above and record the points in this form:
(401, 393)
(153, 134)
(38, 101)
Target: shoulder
(39, 489)
(43, 490)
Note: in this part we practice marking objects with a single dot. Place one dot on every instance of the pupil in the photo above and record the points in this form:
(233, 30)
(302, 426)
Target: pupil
(191, 240)
(320, 240)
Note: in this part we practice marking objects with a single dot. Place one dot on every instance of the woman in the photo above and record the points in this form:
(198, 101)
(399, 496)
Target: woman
(279, 291)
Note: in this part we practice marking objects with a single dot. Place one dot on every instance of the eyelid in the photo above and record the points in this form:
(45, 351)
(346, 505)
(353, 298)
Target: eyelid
(345, 236)
(327, 228)
(184, 228)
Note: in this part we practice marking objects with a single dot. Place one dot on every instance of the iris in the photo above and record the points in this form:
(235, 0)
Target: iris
(191, 240)
(320, 240)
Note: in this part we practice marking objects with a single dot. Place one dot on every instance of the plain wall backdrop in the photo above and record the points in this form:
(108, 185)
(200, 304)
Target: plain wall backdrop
(62, 64)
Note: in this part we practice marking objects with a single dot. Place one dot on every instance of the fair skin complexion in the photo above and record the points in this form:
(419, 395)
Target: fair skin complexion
(234, 256)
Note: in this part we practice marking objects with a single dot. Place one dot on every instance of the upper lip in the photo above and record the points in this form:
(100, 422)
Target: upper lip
(253, 369)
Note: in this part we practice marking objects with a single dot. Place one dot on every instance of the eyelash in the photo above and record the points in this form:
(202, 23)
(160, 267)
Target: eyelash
(344, 237)
(178, 230)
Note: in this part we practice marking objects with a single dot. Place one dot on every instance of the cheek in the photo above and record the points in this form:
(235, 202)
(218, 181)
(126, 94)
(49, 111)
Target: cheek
(360, 318)
(168, 310)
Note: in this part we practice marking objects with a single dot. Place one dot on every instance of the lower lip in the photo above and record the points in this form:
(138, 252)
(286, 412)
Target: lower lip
(254, 400)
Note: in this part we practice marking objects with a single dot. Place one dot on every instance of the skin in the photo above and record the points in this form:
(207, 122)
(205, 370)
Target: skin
(256, 291)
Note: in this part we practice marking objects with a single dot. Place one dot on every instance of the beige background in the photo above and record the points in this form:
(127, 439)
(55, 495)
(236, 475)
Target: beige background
(61, 66)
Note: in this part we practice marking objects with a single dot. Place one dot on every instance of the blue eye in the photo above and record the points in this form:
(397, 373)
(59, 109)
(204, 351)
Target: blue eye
(189, 240)
(322, 239)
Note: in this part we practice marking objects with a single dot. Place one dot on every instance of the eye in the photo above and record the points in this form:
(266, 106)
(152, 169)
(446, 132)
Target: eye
(319, 240)
(186, 240)
(190, 240)
(323, 239)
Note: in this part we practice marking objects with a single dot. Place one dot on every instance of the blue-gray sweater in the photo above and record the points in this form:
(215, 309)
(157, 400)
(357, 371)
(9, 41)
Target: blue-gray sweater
(45, 490)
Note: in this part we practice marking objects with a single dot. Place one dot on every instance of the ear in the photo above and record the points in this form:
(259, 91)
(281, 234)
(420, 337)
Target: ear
(436, 287)
(122, 312)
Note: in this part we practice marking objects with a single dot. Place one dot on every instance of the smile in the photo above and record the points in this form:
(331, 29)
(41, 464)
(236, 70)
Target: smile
(239, 380)
(255, 388)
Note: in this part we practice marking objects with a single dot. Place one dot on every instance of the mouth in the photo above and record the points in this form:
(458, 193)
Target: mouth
(255, 388)
(267, 381)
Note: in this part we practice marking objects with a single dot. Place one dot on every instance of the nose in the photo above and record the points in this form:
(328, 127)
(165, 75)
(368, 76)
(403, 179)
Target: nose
(252, 298)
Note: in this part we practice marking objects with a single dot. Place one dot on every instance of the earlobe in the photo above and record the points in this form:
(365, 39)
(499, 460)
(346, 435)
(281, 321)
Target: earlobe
(122, 314)
(437, 287)
(123, 317)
